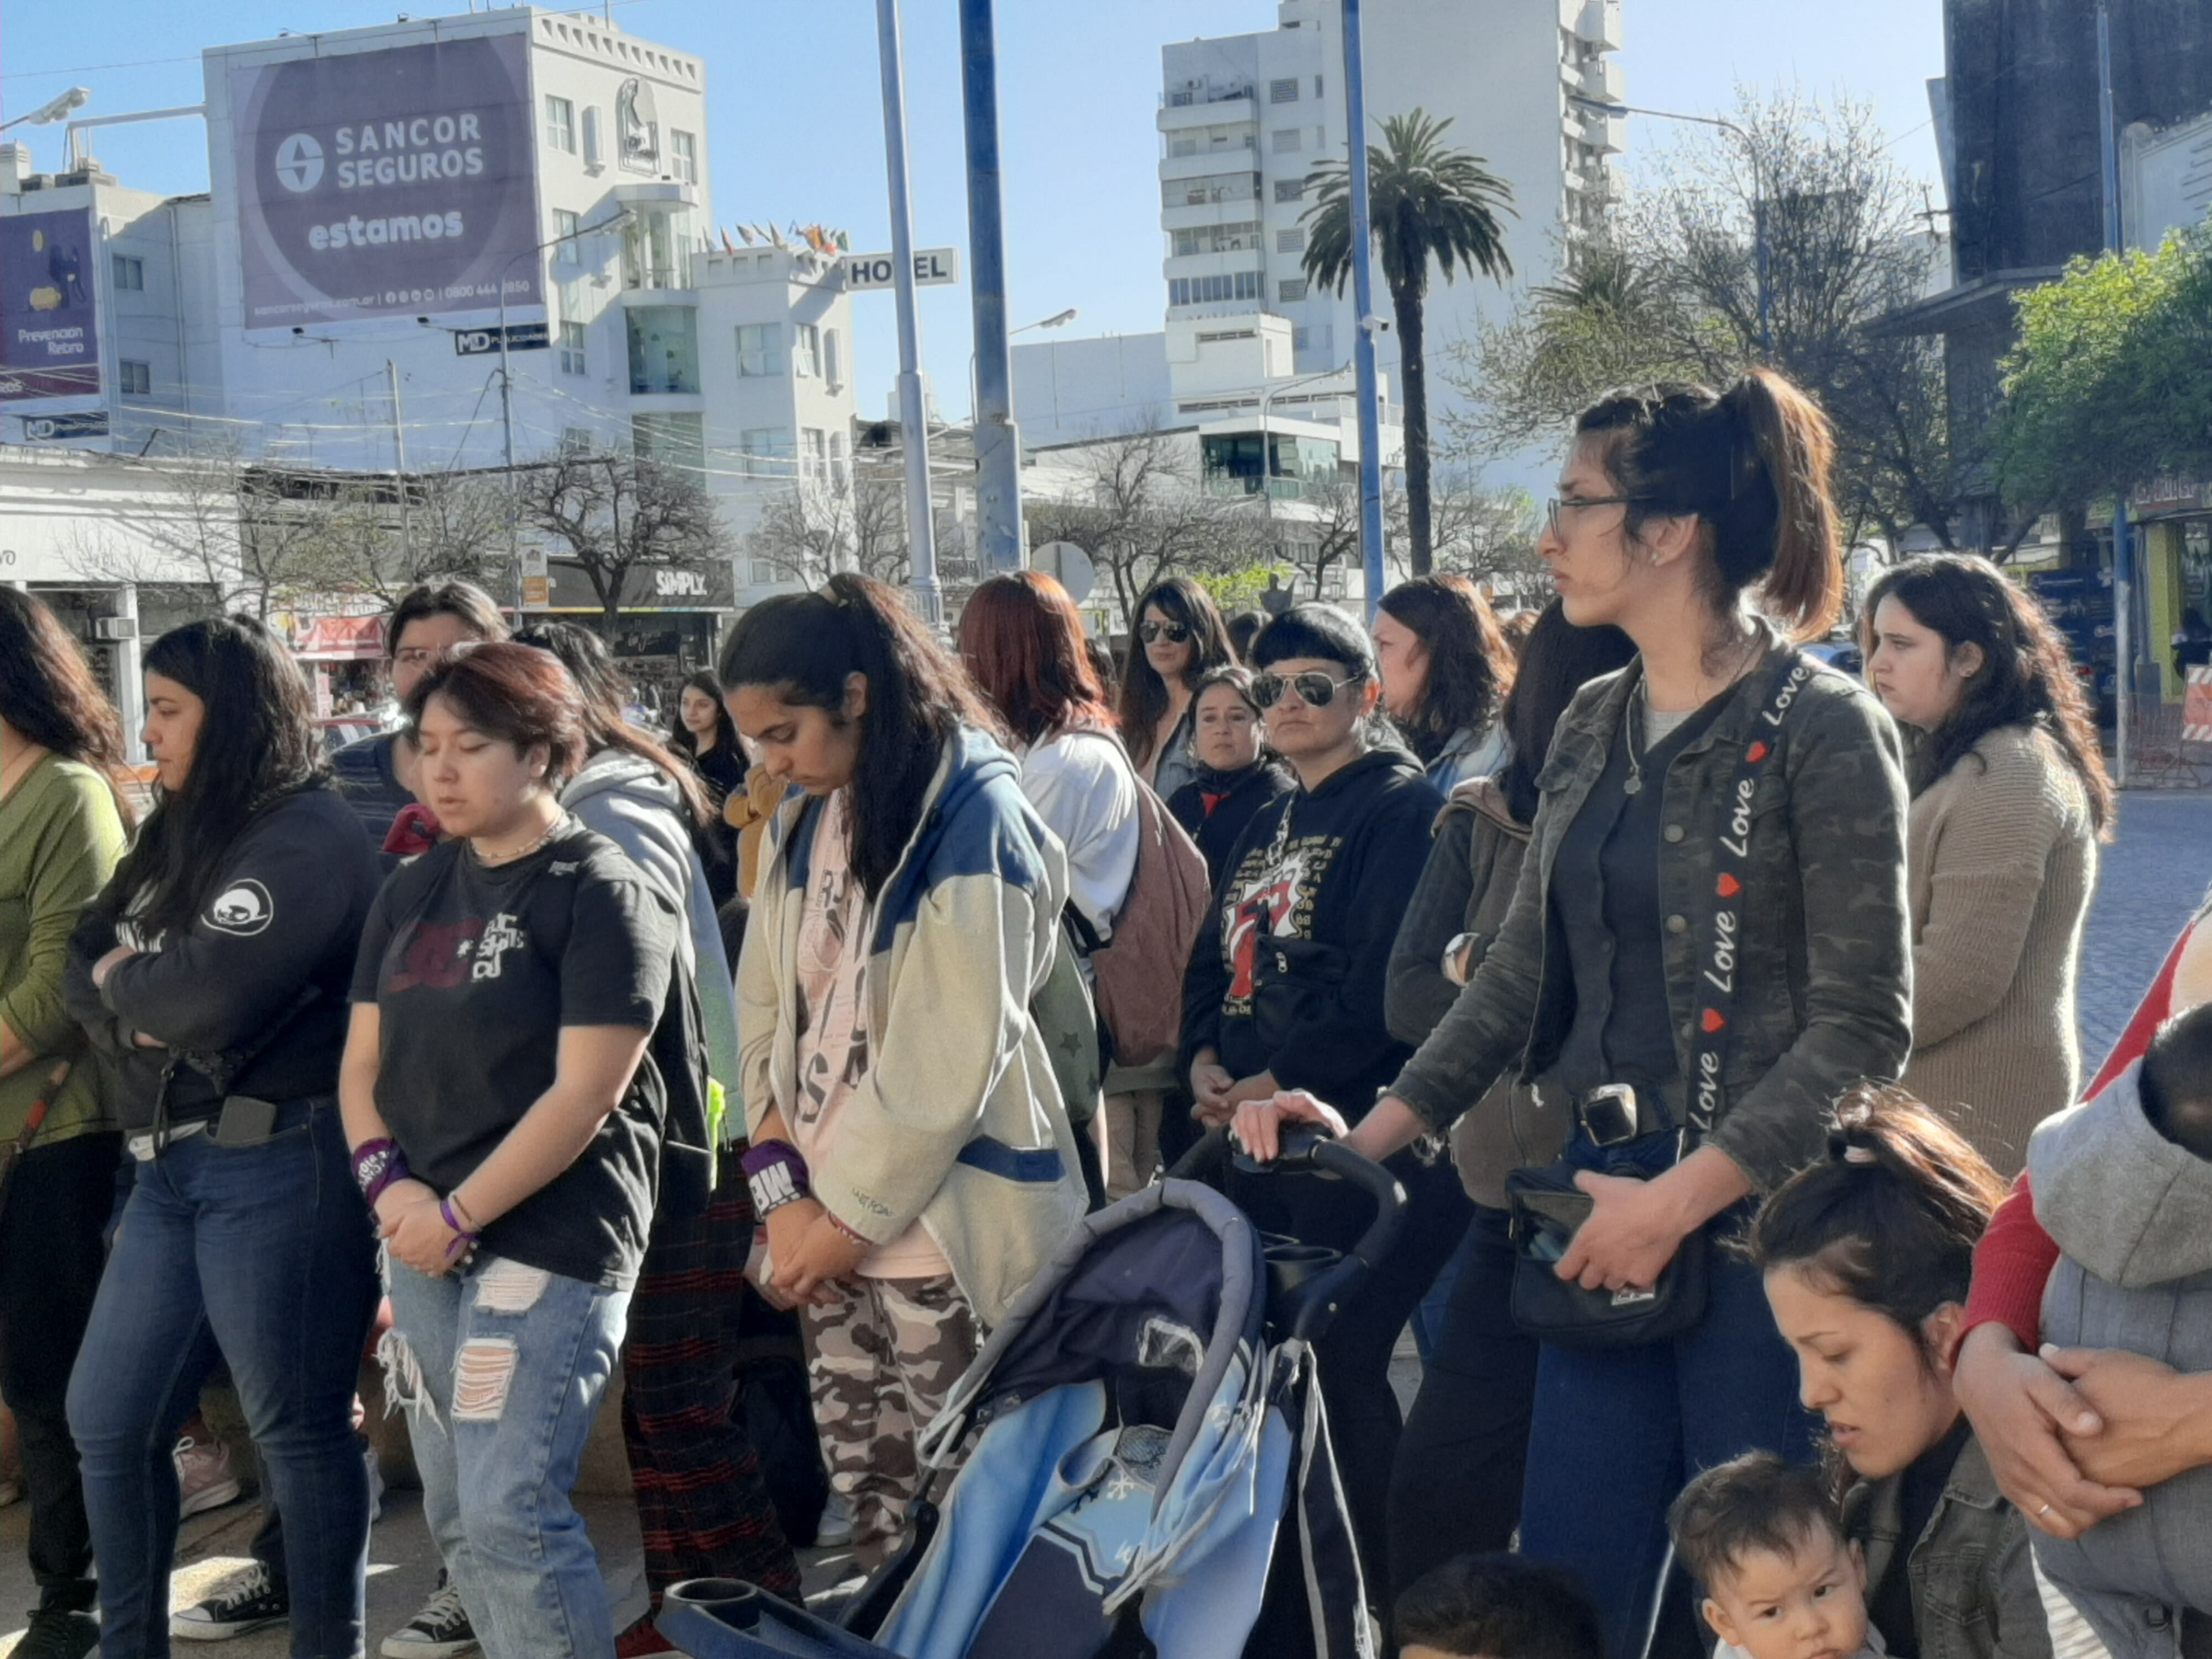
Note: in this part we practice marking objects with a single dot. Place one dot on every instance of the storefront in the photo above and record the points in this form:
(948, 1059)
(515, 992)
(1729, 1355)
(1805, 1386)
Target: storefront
(344, 657)
(669, 623)
(2175, 516)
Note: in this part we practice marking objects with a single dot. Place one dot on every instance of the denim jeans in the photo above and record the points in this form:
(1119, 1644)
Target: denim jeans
(501, 1370)
(1617, 1433)
(270, 1246)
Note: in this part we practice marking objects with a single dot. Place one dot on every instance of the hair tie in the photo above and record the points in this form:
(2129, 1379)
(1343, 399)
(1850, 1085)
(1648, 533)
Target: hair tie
(1857, 1154)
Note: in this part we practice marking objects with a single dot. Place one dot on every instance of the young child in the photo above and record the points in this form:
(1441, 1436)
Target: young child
(1781, 1581)
(1496, 1607)
(2124, 1185)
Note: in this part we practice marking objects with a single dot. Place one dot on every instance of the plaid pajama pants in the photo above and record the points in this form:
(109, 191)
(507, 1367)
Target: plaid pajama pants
(702, 1502)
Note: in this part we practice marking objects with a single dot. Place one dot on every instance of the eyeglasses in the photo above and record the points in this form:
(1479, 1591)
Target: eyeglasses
(1313, 688)
(1575, 503)
(1174, 633)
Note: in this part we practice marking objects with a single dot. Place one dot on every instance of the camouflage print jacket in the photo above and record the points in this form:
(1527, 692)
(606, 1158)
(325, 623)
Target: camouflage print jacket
(1824, 993)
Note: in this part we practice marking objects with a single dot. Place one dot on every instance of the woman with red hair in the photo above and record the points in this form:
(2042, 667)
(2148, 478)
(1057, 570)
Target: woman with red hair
(1021, 638)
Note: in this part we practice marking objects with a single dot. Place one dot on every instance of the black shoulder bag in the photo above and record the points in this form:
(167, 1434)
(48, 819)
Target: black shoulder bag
(1544, 1205)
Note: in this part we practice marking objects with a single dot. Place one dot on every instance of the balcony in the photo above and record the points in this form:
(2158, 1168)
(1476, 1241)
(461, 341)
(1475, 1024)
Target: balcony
(664, 350)
(1600, 79)
(1599, 22)
(1204, 189)
(1201, 96)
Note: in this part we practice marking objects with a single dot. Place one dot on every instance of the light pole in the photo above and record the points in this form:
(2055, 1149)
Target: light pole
(1267, 442)
(1363, 301)
(998, 444)
(1758, 191)
(921, 529)
(2123, 585)
(1058, 319)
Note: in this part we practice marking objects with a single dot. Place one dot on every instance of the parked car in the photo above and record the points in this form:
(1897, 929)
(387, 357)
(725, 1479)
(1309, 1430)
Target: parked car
(340, 730)
(1840, 653)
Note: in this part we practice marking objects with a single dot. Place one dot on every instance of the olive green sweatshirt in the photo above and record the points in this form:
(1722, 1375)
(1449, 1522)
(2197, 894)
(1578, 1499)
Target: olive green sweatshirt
(60, 839)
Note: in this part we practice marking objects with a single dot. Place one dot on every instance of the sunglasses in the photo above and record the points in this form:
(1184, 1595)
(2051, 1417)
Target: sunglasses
(1313, 688)
(1173, 632)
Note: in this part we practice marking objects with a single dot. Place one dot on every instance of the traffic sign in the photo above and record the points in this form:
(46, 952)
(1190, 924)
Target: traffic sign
(933, 267)
(1068, 565)
(520, 337)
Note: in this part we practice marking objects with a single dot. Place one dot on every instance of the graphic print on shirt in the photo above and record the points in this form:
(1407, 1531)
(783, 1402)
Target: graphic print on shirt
(833, 1037)
(1271, 896)
(243, 908)
(499, 936)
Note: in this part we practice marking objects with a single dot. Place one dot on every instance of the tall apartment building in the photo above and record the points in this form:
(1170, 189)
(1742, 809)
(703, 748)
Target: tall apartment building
(1243, 119)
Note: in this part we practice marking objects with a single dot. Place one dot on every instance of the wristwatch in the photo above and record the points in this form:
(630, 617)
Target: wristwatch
(1455, 948)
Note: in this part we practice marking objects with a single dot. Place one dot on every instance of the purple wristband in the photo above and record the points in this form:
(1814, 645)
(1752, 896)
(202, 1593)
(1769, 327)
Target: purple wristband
(464, 1240)
(376, 1164)
(758, 1160)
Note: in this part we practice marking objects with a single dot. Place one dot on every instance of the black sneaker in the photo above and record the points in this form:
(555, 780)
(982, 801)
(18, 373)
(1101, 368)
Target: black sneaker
(250, 1600)
(55, 1634)
(441, 1631)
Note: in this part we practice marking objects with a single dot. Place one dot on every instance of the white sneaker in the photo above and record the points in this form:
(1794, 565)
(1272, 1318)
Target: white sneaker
(835, 1529)
(441, 1631)
(247, 1600)
(204, 1479)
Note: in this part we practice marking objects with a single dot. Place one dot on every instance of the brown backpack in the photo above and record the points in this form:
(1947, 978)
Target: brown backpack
(1139, 969)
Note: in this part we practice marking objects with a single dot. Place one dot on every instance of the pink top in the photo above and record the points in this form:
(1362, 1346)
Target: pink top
(833, 1024)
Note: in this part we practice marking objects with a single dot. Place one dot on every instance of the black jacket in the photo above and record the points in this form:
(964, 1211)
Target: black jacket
(252, 999)
(1288, 972)
(1236, 796)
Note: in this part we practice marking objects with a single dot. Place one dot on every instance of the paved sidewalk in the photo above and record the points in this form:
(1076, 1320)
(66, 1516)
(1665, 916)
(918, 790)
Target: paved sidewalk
(2154, 877)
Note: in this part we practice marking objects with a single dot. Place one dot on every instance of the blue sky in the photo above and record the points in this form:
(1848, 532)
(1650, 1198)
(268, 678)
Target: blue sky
(796, 131)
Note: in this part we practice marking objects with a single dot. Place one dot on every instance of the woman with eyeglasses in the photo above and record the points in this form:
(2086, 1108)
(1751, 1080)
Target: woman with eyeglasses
(1285, 991)
(1446, 669)
(1179, 641)
(1706, 946)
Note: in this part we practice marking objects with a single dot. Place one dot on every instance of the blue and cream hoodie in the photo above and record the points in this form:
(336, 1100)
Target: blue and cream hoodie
(958, 1123)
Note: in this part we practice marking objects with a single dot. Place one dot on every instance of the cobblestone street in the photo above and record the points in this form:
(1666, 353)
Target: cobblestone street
(2154, 875)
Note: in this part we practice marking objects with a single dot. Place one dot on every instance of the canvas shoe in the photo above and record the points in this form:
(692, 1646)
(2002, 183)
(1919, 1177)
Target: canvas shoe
(441, 1631)
(205, 1479)
(248, 1601)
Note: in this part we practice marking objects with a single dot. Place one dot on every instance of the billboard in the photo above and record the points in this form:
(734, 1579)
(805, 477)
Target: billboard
(49, 330)
(399, 183)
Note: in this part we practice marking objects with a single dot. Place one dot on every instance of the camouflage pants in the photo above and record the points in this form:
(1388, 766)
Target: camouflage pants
(880, 1360)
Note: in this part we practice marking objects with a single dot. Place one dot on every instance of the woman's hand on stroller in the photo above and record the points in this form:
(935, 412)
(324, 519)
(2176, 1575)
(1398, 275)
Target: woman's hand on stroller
(1257, 1125)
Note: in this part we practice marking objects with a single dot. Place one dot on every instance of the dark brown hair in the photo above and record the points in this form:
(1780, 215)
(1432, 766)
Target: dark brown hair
(1890, 1218)
(803, 646)
(1021, 640)
(2027, 676)
(1144, 693)
(1558, 660)
(680, 738)
(1470, 668)
(517, 694)
(48, 694)
(1754, 1504)
(1752, 462)
(1503, 1606)
(464, 602)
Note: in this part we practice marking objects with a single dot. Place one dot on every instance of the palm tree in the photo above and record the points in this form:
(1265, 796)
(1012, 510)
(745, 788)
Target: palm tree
(1426, 201)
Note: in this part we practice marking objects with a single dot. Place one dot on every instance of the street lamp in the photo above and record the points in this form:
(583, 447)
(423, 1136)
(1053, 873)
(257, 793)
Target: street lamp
(1058, 319)
(52, 111)
(1604, 107)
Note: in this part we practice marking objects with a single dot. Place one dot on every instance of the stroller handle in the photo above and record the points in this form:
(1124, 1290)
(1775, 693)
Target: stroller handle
(1303, 1147)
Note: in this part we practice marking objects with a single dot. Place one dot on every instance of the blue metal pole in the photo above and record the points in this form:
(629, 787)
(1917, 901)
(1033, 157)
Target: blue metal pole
(2124, 584)
(1363, 300)
(997, 447)
(914, 433)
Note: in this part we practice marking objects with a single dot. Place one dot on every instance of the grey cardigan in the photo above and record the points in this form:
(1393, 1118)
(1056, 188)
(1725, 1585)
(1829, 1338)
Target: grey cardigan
(1824, 975)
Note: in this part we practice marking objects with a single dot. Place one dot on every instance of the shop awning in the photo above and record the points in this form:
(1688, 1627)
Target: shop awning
(342, 639)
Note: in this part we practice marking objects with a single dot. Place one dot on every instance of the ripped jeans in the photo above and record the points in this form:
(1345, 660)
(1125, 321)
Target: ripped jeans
(500, 1370)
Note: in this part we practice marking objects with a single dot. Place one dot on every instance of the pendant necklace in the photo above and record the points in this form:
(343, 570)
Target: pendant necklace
(1633, 785)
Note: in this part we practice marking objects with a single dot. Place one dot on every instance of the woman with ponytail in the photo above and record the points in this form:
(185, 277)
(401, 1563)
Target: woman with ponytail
(2010, 800)
(911, 1156)
(1867, 1256)
(1710, 913)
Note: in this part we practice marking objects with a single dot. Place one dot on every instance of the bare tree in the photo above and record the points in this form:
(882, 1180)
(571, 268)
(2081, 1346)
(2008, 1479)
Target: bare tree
(816, 528)
(614, 514)
(1138, 509)
(1322, 534)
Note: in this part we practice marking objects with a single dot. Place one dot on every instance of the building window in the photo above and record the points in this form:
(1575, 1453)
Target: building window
(663, 349)
(129, 272)
(134, 379)
(765, 452)
(833, 360)
(807, 361)
(813, 454)
(1209, 188)
(766, 571)
(838, 459)
(572, 349)
(1290, 189)
(760, 349)
(1290, 241)
(1284, 91)
(567, 227)
(678, 440)
(1290, 291)
(560, 124)
(1301, 337)
(684, 155)
(1289, 140)
(1316, 86)
(1217, 238)
(575, 440)
(1209, 290)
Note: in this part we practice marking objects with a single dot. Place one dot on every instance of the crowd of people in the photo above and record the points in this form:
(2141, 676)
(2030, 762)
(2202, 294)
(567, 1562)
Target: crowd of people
(1713, 1011)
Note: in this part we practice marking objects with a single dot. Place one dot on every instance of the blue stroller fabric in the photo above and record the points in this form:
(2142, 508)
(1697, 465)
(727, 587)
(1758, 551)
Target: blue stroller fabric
(1143, 1454)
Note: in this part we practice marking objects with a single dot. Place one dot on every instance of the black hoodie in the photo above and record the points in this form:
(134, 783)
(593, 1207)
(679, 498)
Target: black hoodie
(1215, 807)
(1322, 896)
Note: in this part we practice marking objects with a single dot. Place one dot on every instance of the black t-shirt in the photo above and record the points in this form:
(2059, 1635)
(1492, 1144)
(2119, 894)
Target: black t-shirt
(474, 971)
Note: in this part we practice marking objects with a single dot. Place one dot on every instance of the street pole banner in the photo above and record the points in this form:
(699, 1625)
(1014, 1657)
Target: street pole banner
(49, 330)
(387, 184)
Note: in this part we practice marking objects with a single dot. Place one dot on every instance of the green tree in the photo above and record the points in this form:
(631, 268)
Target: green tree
(2108, 386)
(1427, 201)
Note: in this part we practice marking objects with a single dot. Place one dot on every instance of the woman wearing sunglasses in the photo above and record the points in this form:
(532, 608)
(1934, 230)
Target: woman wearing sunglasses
(1180, 640)
(1711, 911)
(1285, 991)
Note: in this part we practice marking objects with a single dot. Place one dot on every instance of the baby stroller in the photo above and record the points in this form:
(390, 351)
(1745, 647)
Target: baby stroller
(1152, 1473)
